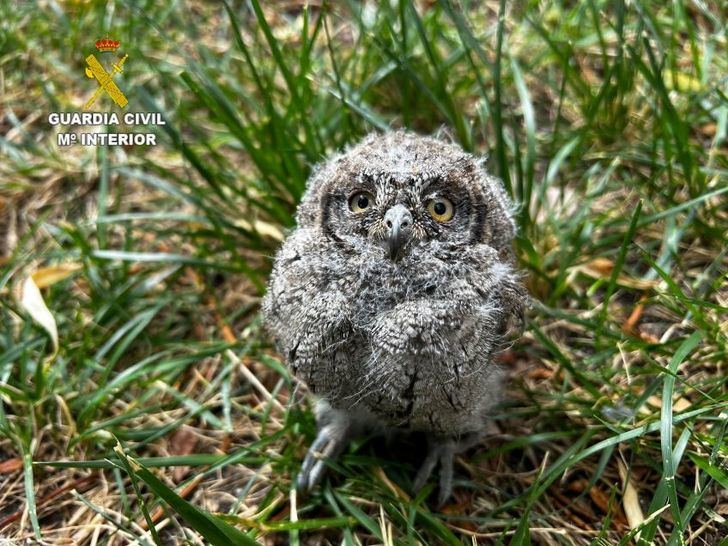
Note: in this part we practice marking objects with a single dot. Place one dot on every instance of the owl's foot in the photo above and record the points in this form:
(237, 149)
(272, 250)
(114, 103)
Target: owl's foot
(442, 450)
(332, 438)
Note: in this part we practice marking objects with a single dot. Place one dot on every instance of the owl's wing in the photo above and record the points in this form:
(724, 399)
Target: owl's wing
(499, 284)
(306, 310)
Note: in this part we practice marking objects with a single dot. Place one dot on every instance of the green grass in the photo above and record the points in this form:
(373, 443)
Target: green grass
(165, 407)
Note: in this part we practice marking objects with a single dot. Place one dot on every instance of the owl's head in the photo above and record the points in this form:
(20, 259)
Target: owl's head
(399, 190)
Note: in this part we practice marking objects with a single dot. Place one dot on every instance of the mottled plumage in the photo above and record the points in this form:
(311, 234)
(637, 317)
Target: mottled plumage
(394, 293)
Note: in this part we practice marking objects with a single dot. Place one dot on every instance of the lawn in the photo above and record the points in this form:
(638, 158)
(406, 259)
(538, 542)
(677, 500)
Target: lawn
(140, 399)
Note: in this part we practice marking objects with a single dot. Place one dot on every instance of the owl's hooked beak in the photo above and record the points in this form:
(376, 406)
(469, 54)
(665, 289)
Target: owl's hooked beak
(399, 224)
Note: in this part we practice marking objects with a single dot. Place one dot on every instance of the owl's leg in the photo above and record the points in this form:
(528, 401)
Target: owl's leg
(332, 438)
(446, 473)
(442, 451)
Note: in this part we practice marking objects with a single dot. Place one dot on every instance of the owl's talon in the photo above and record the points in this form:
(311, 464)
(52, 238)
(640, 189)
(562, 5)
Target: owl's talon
(317, 473)
(440, 452)
(329, 443)
(303, 479)
(425, 471)
(446, 473)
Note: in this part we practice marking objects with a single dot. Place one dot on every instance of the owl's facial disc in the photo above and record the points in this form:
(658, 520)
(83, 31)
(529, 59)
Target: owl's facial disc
(397, 214)
(398, 220)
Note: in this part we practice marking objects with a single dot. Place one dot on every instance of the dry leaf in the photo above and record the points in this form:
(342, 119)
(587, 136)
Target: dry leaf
(629, 326)
(630, 499)
(225, 330)
(649, 338)
(46, 276)
(600, 498)
(32, 301)
(264, 229)
(540, 373)
(11, 465)
(709, 129)
(602, 266)
(678, 404)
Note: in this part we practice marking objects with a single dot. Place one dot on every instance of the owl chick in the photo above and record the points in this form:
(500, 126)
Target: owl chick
(392, 297)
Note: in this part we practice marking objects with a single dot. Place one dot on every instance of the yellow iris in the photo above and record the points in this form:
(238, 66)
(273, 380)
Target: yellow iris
(440, 209)
(361, 201)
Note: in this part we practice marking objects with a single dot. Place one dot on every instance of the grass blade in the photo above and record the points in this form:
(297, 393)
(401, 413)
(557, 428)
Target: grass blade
(214, 529)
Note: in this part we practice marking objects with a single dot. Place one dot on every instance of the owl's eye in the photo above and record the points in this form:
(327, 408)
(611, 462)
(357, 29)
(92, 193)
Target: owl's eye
(440, 209)
(361, 201)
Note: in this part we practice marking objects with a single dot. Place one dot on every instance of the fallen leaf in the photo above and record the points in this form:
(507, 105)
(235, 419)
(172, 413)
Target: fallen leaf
(540, 373)
(597, 495)
(46, 276)
(649, 338)
(709, 129)
(630, 499)
(629, 326)
(603, 266)
(225, 330)
(32, 301)
(600, 498)
(262, 228)
(678, 404)
(11, 465)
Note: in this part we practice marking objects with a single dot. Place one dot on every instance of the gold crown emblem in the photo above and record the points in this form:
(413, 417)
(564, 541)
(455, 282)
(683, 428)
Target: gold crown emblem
(106, 44)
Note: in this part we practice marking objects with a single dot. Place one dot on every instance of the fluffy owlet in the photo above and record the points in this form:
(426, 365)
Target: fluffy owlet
(394, 294)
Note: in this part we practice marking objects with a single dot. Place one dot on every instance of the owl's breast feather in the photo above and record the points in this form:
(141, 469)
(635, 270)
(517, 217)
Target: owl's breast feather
(340, 315)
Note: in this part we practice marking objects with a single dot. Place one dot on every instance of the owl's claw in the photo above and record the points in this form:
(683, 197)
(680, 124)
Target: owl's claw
(446, 474)
(441, 451)
(329, 443)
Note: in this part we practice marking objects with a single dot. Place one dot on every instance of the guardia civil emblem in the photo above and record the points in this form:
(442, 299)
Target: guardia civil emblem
(95, 70)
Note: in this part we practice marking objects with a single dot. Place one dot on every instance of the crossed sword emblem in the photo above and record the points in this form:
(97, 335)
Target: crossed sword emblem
(105, 81)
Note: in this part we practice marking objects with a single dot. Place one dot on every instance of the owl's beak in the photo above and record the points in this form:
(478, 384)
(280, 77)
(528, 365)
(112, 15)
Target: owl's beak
(398, 220)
